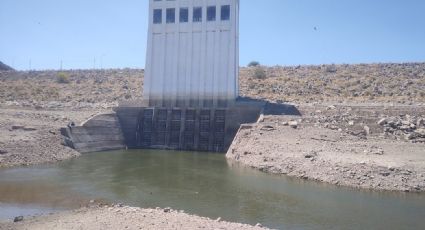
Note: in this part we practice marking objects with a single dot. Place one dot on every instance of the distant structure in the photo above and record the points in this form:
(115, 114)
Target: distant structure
(192, 55)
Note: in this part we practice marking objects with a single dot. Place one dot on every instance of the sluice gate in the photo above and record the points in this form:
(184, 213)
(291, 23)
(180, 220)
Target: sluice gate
(182, 129)
(191, 129)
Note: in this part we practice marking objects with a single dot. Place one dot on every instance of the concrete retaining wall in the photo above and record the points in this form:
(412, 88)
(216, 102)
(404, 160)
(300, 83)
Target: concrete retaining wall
(100, 133)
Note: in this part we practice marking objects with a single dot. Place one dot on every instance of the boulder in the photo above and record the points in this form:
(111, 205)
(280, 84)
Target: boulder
(18, 219)
(15, 127)
(382, 122)
(311, 154)
(420, 132)
(293, 124)
(29, 128)
(420, 122)
(367, 130)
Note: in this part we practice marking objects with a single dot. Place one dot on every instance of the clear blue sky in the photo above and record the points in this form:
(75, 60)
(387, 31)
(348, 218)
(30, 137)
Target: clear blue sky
(272, 31)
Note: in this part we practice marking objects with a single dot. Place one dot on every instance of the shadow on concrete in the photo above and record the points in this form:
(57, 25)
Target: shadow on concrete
(272, 108)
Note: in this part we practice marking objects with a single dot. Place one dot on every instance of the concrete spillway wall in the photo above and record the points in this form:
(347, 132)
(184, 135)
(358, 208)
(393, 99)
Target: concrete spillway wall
(100, 133)
(197, 129)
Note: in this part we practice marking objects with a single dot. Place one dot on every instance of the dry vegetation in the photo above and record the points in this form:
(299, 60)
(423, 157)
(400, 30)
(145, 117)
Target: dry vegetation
(79, 88)
(383, 83)
(387, 83)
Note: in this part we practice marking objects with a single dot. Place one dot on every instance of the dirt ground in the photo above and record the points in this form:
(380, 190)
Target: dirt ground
(29, 136)
(131, 218)
(333, 146)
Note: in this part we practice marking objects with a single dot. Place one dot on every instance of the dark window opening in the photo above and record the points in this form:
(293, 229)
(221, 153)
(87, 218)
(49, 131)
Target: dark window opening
(225, 12)
(197, 14)
(211, 13)
(157, 16)
(184, 14)
(171, 15)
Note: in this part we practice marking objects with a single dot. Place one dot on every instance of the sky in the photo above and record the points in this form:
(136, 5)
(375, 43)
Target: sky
(48, 34)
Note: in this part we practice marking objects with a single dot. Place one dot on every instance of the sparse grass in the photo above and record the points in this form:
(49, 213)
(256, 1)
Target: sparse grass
(259, 73)
(62, 78)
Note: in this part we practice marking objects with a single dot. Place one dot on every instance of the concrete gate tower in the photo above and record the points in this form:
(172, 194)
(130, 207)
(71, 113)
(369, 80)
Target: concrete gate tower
(192, 53)
(190, 88)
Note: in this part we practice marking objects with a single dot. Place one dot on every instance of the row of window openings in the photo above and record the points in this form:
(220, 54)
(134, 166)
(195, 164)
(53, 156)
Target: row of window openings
(197, 14)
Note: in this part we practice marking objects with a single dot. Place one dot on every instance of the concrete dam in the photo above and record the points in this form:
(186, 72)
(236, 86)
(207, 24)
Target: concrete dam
(197, 129)
(191, 86)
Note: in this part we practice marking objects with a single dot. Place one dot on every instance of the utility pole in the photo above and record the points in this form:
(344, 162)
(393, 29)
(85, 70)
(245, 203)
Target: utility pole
(101, 60)
(94, 63)
(29, 65)
(61, 64)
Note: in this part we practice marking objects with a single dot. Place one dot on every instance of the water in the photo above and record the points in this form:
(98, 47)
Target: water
(206, 185)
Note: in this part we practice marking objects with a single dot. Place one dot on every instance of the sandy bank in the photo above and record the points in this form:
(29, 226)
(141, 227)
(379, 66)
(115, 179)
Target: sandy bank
(122, 218)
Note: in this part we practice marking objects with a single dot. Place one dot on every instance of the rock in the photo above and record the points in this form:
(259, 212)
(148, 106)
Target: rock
(260, 119)
(311, 154)
(420, 132)
(332, 107)
(385, 173)
(382, 122)
(218, 219)
(351, 123)
(378, 151)
(410, 136)
(293, 124)
(18, 219)
(405, 123)
(259, 225)
(285, 123)
(29, 129)
(420, 122)
(367, 130)
(15, 127)
(2, 151)
(268, 128)
(167, 210)
(404, 127)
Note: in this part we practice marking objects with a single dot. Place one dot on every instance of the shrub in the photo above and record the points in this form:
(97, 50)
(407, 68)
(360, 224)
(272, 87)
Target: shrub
(253, 64)
(259, 73)
(62, 78)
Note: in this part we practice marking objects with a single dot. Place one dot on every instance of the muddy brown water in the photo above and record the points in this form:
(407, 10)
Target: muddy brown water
(206, 185)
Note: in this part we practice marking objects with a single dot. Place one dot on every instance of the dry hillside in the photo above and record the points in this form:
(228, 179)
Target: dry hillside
(386, 83)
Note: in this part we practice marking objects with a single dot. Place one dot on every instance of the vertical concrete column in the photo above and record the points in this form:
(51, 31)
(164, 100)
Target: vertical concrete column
(182, 128)
(197, 126)
(168, 127)
(212, 128)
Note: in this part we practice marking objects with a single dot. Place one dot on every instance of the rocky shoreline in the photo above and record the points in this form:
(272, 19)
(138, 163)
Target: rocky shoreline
(348, 151)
